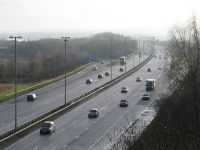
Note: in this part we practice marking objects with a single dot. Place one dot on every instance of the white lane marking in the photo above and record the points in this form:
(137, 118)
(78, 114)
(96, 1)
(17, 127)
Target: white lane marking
(77, 137)
(35, 148)
(110, 128)
(148, 108)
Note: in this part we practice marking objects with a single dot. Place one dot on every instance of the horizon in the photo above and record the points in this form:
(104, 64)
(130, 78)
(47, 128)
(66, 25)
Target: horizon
(90, 16)
(73, 35)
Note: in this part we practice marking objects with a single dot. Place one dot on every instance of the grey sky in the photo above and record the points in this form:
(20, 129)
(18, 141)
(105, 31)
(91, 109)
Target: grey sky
(136, 16)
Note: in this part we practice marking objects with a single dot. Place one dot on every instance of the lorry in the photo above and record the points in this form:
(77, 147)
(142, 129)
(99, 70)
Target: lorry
(150, 84)
(122, 60)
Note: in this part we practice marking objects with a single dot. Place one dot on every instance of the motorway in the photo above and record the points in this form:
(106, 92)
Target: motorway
(52, 96)
(74, 131)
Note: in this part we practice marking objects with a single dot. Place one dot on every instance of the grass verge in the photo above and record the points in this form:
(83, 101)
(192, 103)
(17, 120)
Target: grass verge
(8, 93)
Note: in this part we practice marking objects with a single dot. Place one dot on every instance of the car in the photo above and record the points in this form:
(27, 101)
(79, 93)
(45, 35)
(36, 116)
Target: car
(121, 69)
(138, 79)
(124, 89)
(94, 68)
(149, 69)
(93, 113)
(107, 73)
(123, 103)
(146, 96)
(100, 76)
(31, 97)
(159, 68)
(102, 62)
(88, 81)
(47, 127)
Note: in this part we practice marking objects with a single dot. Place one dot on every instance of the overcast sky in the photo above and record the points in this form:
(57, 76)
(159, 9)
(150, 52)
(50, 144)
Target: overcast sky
(129, 16)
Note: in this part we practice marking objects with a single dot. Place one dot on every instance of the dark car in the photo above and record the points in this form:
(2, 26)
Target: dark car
(121, 69)
(100, 76)
(47, 127)
(149, 69)
(138, 79)
(93, 113)
(31, 97)
(88, 81)
(123, 103)
(145, 96)
(107, 73)
(124, 90)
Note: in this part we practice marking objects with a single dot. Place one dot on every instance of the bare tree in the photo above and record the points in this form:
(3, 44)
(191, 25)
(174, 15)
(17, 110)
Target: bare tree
(185, 66)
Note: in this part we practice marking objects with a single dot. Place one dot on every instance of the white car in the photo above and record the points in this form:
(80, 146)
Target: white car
(31, 97)
(94, 68)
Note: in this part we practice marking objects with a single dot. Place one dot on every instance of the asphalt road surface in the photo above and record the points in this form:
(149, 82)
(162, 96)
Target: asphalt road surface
(75, 131)
(52, 96)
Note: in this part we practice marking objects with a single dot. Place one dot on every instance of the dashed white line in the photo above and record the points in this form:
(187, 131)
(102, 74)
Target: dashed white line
(35, 148)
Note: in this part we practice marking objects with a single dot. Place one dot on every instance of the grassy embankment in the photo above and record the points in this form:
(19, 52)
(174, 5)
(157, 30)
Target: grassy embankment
(176, 126)
(7, 90)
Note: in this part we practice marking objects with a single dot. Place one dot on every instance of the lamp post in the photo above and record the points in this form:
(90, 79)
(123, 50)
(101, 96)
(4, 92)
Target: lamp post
(133, 56)
(139, 49)
(111, 59)
(65, 39)
(125, 52)
(15, 38)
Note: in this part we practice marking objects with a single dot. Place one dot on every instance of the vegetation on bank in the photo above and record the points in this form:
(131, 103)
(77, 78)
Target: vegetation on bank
(177, 123)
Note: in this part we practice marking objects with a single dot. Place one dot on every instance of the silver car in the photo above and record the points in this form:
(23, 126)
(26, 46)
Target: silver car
(145, 96)
(124, 89)
(94, 68)
(93, 113)
(47, 127)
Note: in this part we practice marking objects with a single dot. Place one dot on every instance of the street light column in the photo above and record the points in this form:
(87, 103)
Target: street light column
(65, 39)
(125, 54)
(133, 57)
(139, 49)
(111, 59)
(15, 38)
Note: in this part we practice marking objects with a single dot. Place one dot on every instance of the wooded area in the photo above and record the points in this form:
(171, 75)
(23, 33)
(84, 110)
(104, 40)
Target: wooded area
(44, 58)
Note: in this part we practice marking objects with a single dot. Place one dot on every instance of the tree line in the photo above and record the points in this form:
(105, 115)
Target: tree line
(44, 58)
